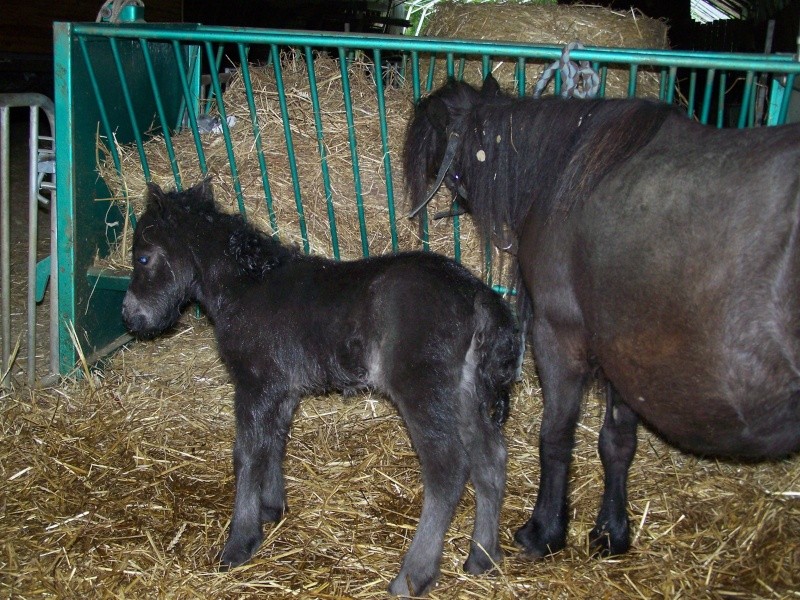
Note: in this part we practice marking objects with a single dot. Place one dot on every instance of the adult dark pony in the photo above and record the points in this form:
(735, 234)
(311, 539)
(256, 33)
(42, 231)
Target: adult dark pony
(661, 253)
(418, 327)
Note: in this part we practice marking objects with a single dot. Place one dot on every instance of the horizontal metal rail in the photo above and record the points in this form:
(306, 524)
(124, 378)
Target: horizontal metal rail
(168, 60)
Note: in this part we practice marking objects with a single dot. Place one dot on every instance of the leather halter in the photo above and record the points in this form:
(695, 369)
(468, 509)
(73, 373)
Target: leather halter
(449, 155)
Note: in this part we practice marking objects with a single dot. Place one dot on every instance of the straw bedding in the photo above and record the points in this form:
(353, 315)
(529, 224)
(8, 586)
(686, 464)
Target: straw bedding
(121, 485)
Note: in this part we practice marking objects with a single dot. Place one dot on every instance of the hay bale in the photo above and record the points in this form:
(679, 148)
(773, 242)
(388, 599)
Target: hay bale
(128, 185)
(552, 25)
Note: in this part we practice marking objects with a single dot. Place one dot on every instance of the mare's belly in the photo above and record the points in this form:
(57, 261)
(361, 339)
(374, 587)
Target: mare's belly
(766, 426)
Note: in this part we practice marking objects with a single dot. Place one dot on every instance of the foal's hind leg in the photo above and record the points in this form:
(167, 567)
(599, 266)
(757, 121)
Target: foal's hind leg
(444, 475)
(617, 447)
(487, 459)
(262, 424)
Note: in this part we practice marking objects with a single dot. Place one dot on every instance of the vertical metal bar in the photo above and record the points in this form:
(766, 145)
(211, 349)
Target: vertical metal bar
(100, 105)
(603, 80)
(262, 163)
(456, 235)
(723, 79)
(461, 64)
(709, 89)
(129, 106)
(634, 69)
(748, 89)
(673, 75)
(387, 163)
(451, 71)
(287, 134)
(486, 66)
(33, 236)
(662, 84)
(5, 241)
(192, 106)
(557, 83)
(787, 95)
(520, 73)
(415, 80)
(431, 69)
(351, 135)
(323, 155)
(64, 64)
(213, 66)
(162, 115)
(415, 75)
(223, 118)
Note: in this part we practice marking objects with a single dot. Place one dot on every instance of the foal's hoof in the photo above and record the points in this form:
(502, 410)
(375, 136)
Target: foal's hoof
(238, 552)
(271, 514)
(536, 544)
(406, 586)
(479, 561)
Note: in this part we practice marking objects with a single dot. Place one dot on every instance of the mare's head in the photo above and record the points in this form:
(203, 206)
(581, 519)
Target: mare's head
(164, 268)
(431, 153)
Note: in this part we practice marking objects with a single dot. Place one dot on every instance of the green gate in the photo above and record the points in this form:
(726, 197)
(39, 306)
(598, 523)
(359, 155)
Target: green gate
(127, 84)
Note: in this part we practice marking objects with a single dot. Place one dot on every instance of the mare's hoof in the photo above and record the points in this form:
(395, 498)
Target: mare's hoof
(406, 586)
(535, 544)
(479, 561)
(238, 552)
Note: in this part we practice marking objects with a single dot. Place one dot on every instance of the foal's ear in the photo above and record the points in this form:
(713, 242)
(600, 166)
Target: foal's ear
(156, 197)
(490, 87)
(203, 193)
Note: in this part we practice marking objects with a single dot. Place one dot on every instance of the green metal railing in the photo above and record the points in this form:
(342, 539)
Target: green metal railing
(128, 82)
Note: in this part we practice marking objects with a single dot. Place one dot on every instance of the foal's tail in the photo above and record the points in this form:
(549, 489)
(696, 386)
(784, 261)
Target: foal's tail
(499, 349)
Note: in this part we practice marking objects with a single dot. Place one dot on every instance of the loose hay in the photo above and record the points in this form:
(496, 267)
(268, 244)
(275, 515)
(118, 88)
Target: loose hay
(556, 25)
(125, 490)
(128, 184)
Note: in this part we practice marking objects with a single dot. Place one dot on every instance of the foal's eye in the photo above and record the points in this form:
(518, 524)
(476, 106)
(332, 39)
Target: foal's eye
(143, 260)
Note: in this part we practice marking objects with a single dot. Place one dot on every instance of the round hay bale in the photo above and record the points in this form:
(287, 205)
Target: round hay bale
(551, 25)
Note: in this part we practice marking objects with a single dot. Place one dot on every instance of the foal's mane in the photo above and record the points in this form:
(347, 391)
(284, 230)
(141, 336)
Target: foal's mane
(253, 251)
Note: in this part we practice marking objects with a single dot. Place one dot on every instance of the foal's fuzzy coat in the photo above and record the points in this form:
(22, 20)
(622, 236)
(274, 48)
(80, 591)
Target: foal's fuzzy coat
(417, 327)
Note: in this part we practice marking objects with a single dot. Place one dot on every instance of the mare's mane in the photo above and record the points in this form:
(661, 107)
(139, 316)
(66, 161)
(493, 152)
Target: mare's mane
(556, 152)
(522, 154)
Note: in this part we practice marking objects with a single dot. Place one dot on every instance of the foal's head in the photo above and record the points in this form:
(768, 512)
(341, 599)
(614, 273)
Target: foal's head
(163, 266)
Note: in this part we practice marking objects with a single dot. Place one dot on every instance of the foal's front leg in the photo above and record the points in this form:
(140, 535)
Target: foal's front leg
(617, 448)
(563, 379)
(262, 425)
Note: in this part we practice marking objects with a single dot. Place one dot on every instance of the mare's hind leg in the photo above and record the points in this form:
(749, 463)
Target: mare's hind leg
(617, 447)
(563, 379)
(444, 474)
(262, 424)
(487, 459)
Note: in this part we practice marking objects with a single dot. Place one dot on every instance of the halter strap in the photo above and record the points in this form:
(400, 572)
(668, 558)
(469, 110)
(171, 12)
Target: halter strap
(449, 155)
